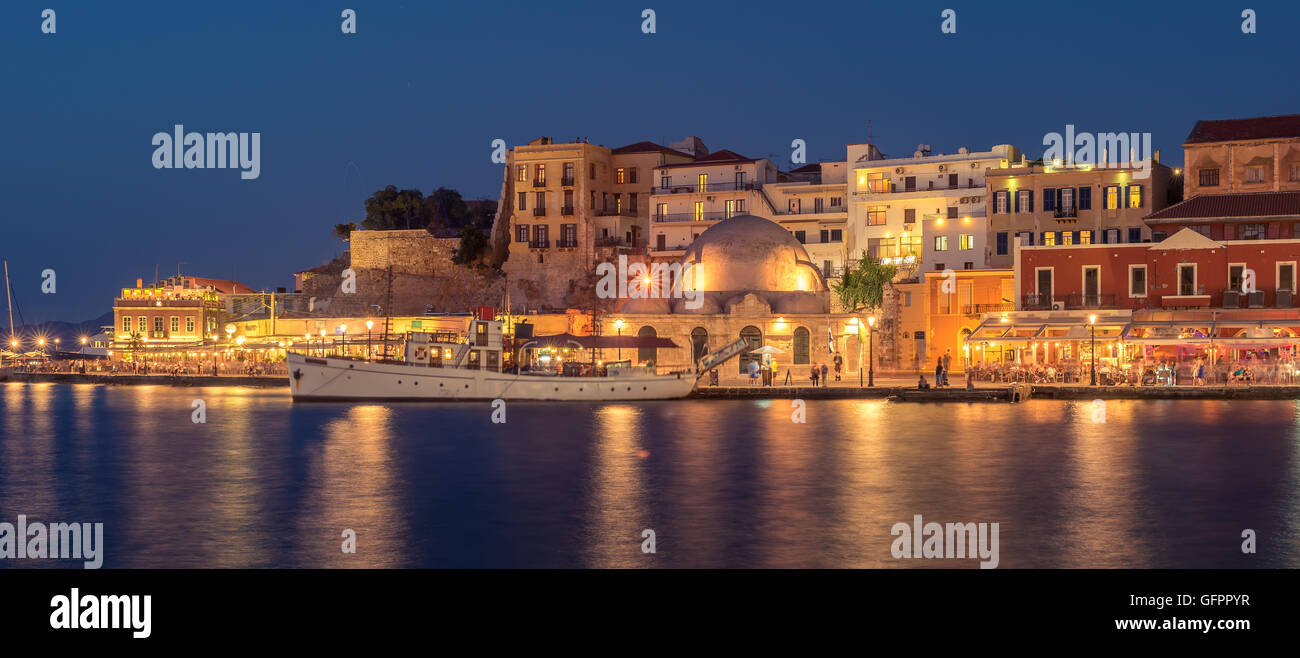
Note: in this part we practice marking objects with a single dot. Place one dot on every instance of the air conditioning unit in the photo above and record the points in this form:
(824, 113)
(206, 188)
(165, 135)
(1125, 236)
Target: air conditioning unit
(1058, 306)
(1231, 299)
(1257, 299)
(1284, 299)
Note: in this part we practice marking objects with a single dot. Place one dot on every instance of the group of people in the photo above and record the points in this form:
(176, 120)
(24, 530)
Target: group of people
(768, 372)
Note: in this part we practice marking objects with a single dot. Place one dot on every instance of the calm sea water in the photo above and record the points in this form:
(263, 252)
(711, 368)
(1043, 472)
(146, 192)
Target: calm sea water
(267, 483)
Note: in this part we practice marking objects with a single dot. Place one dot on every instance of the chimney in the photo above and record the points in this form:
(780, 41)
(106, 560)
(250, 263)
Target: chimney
(139, 283)
(1156, 157)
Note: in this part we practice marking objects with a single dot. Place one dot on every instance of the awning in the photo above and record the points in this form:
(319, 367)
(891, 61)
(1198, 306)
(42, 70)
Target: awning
(598, 342)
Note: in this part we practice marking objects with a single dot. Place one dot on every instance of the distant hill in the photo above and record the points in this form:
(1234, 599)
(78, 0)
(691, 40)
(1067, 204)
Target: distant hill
(68, 332)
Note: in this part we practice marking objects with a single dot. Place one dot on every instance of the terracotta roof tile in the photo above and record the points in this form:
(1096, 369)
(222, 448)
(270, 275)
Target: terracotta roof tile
(1231, 130)
(1250, 204)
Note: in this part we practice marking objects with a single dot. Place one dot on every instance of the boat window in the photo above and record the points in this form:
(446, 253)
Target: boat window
(480, 333)
(474, 356)
(493, 360)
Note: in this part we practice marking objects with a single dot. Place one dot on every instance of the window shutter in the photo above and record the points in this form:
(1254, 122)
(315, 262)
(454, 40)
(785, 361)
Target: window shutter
(1049, 200)
(1058, 198)
(1031, 202)
(1141, 197)
(1105, 236)
(1017, 194)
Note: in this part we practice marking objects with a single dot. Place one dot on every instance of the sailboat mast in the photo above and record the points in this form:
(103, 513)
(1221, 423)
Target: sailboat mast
(10, 298)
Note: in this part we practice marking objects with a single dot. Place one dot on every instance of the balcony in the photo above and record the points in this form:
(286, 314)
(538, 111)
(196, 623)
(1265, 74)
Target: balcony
(1077, 301)
(539, 244)
(875, 187)
(616, 212)
(612, 241)
(1065, 213)
(539, 211)
(710, 187)
(571, 243)
(814, 210)
(711, 216)
(566, 210)
(566, 181)
(539, 182)
(977, 309)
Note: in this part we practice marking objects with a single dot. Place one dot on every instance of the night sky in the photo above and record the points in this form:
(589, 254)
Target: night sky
(415, 98)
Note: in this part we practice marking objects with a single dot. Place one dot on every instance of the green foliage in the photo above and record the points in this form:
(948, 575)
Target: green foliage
(863, 286)
(473, 243)
(390, 209)
(344, 231)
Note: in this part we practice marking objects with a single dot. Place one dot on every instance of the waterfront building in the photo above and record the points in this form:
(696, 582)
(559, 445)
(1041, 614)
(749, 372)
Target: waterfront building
(560, 201)
(690, 197)
(895, 202)
(756, 281)
(813, 207)
(936, 314)
(1238, 216)
(185, 311)
(1257, 154)
(1047, 205)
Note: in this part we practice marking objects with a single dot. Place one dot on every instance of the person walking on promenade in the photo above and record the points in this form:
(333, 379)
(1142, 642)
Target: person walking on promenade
(938, 372)
(839, 365)
(825, 371)
(947, 367)
(813, 376)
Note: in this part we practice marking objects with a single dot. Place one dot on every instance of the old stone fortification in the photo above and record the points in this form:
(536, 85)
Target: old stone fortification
(423, 277)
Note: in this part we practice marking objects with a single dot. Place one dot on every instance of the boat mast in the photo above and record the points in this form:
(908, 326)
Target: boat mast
(9, 297)
(388, 303)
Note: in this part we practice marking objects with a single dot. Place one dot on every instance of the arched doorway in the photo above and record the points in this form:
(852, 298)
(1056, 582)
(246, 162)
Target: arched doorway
(802, 341)
(647, 354)
(754, 337)
(699, 343)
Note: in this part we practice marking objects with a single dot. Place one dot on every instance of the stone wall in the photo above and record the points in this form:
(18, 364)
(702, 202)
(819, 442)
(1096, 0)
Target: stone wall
(424, 278)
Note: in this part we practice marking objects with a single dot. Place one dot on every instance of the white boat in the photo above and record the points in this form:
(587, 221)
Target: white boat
(443, 367)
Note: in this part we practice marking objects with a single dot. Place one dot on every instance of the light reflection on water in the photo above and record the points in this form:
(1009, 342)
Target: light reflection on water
(266, 483)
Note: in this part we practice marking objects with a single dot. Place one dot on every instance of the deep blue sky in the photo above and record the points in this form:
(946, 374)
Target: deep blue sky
(416, 97)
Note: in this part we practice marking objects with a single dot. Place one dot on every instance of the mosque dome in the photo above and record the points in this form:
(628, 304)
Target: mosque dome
(751, 254)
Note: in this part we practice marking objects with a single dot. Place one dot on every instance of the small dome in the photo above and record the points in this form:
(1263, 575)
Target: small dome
(748, 253)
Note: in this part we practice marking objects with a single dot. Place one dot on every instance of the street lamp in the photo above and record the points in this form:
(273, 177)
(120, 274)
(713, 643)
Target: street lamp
(1092, 325)
(369, 325)
(618, 324)
(322, 342)
(871, 354)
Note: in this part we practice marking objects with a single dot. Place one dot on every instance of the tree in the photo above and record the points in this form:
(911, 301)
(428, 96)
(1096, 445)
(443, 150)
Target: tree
(446, 209)
(863, 285)
(390, 209)
(473, 243)
(344, 231)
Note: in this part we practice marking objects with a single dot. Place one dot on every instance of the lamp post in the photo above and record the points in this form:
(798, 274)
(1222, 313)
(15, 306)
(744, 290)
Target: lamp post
(857, 324)
(369, 325)
(322, 342)
(618, 324)
(871, 354)
(1092, 346)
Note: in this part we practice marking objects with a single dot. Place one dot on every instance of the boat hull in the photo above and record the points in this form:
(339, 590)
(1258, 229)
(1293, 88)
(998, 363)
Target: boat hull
(335, 379)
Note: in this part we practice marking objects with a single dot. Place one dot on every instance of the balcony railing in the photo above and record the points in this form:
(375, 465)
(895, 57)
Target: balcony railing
(539, 211)
(814, 210)
(1037, 302)
(976, 309)
(711, 216)
(612, 241)
(1034, 301)
(539, 182)
(892, 188)
(566, 244)
(566, 210)
(695, 188)
(539, 244)
(625, 212)
(566, 181)
(1065, 213)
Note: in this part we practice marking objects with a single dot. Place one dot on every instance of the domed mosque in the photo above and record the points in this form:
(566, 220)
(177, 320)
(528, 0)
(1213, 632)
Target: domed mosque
(745, 259)
(754, 280)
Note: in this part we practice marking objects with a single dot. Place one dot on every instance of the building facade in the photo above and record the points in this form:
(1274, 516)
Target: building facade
(1260, 154)
(688, 198)
(891, 200)
(1048, 206)
(814, 209)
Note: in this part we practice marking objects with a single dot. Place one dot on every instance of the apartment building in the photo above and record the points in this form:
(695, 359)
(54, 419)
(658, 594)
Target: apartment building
(894, 201)
(1259, 154)
(813, 206)
(1046, 205)
(689, 197)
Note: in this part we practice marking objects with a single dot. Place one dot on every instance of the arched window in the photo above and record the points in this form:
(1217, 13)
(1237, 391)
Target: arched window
(699, 343)
(644, 354)
(801, 340)
(754, 337)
